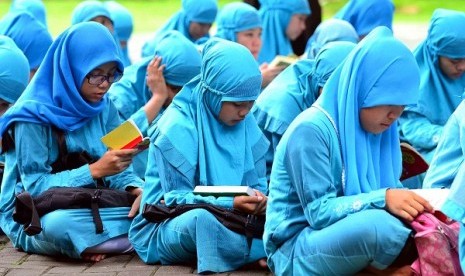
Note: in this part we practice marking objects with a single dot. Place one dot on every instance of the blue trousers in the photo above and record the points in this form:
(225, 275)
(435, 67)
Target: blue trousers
(367, 238)
(198, 235)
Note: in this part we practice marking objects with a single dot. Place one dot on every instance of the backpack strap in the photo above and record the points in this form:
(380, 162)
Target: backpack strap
(25, 213)
(94, 206)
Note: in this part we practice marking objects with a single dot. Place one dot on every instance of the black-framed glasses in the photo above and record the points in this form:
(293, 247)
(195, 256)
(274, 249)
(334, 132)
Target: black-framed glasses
(99, 79)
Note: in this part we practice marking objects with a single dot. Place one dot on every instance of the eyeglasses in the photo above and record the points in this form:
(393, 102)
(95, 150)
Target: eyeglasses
(99, 79)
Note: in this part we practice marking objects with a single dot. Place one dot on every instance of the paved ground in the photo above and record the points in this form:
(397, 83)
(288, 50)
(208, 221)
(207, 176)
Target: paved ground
(14, 262)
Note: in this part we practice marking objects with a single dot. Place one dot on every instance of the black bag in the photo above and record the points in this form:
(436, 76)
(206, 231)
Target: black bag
(28, 210)
(252, 226)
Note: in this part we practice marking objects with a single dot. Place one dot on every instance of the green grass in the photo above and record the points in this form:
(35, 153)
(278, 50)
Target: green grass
(150, 14)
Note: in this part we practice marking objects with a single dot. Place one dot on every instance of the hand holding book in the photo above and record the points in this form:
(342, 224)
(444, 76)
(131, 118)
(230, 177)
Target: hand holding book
(126, 136)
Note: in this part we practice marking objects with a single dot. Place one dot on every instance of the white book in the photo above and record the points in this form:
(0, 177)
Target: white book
(435, 196)
(223, 190)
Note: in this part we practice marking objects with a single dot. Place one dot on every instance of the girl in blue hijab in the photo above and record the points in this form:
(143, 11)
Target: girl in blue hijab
(123, 24)
(207, 137)
(365, 15)
(241, 23)
(441, 58)
(29, 34)
(68, 93)
(330, 30)
(283, 21)
(193, 20)
(148, 86)
(34, 7)
(295, 90)
(334, 204)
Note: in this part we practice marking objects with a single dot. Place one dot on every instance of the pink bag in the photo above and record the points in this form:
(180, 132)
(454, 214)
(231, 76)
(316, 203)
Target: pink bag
(437, 244)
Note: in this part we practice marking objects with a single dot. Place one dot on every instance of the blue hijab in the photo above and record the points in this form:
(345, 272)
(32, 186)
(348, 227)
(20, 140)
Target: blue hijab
(200, 11)
(14, 70)
(34, 7)
(53, 96)
(330, 30)
(86, 10)
(440, 95)
(31, 36)
(182, 63)
(369, 77)
(190, 135)
(123, 24)
(276, 15)
(236, 17)
(365, 15)
(297, 88)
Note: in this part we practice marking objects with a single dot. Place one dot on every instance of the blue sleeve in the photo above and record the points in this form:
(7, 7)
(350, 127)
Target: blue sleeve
(178, 189)
(124, 97)
(309, 159)
(140, 119)
(35, 152)
(418, 131)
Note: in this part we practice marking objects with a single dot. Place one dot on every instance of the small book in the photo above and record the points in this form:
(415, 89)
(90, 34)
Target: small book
(126, 136)
(218, 191)
(283, 61)
(412, 162)
(435, 196)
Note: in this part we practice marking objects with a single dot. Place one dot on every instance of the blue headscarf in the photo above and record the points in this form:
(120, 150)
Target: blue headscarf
(190, 135)
(31, 36)
(440, 95)
(276, 15)
(236, 17)
(86, 10)
(200, 11)
(53, 96)
(330, 30)
(123, 23)
(14, 70)
(182, 63)
(34, 7)
(297, 88)
(365, 15)
(369, 77)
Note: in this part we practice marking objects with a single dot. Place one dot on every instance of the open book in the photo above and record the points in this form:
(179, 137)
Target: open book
(283, 61)
(223, 190)
(435, 196)
(126, 136)
(412, 162)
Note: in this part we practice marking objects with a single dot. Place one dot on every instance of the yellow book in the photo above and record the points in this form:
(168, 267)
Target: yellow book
(126, 136)
(283, 61)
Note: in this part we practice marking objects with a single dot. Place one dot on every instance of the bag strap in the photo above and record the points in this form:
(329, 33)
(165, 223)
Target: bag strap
(96, 212)
(26, 214)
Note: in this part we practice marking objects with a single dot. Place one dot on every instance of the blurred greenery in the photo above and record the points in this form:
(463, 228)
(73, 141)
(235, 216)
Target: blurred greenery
(150, 14)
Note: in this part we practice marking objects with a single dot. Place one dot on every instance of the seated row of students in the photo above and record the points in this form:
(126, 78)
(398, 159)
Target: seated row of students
(214, 107)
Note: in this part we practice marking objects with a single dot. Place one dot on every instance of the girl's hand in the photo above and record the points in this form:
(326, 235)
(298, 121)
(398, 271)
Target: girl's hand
(155, 79)
(406, 204)
(249, 204)
(112, 162)
(135, 206)
(269, 73)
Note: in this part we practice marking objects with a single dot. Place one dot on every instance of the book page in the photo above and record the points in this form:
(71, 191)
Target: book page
(125, 136)
(435, 196)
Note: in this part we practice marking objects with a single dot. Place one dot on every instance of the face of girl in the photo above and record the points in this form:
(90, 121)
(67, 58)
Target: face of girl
(232, 113)
(379, 118)
(94, 93)
(252, 39)
(296, 26)
(452, 68)
(105, 21)
(198, 30)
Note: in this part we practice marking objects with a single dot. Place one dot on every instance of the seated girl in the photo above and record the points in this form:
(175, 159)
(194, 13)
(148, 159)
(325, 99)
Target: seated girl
(206, 137)
(68, 94)
(336, 205)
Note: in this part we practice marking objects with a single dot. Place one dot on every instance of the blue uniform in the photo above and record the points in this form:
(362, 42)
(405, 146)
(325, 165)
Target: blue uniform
(191, 147)
(124, 25)
(326, 211)
(53, 99)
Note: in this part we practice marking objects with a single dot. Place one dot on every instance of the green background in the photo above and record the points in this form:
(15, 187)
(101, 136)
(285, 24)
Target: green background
(150, 14)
